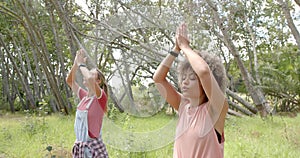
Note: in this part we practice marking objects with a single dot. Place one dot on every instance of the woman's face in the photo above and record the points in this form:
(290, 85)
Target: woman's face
(190, 85)
(94, 73)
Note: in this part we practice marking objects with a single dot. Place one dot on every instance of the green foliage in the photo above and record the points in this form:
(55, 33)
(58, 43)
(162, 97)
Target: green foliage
(113, 112)
(280, 78)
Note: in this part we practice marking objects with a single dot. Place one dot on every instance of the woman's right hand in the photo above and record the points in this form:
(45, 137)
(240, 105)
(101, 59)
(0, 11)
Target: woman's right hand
(80, 57)
(182, 39)
(176, 47)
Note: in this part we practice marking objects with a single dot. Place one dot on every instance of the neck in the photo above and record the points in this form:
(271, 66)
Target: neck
(197, 101)
(90, 93)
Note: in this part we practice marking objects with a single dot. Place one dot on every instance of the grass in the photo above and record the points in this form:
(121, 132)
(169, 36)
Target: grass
(25, 137)
(277, 137)
(250, 137)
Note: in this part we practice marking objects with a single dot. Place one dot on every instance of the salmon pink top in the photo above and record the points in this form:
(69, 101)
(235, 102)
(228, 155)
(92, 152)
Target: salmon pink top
(195, 134)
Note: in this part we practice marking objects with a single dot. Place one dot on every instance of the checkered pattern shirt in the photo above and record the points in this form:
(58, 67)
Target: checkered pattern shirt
(96, 146)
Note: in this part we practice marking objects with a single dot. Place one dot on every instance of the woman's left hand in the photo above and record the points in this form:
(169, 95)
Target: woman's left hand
(80, 57)
(182, 38)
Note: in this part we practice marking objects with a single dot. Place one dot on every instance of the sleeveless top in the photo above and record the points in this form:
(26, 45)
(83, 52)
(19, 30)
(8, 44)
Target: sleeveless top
(195, 134)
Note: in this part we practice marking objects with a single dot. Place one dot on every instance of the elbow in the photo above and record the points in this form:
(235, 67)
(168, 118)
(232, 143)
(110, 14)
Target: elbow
(203, 71)
(226, 105)
(156, 78)
(69, 80)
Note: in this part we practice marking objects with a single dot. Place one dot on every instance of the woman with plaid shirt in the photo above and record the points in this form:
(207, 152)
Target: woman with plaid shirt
(90, 110)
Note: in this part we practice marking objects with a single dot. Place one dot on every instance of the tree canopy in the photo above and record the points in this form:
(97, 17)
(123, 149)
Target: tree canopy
(258, 41)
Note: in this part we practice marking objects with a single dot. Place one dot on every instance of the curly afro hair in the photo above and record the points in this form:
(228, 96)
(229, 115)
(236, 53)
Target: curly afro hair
(215, 64)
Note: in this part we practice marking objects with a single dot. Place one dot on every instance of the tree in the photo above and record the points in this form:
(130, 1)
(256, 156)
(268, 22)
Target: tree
(286, 10)
(127, 40)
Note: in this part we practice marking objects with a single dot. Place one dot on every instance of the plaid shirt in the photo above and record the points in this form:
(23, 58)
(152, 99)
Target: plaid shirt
(96, 146)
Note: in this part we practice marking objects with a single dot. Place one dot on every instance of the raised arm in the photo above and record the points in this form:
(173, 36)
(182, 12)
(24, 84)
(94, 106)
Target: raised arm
(90, 76)
(164, 87)
(218, 104)
(71, 81)
(92, 81)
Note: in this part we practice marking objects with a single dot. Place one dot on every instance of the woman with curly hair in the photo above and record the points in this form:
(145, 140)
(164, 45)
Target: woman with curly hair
(201, 104)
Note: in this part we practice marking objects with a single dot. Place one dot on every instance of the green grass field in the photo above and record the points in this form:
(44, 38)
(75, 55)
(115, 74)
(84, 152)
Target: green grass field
(250, 137)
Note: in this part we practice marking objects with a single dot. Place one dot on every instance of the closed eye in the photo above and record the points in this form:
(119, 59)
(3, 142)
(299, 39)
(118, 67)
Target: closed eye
(192, 76)
(183, 77)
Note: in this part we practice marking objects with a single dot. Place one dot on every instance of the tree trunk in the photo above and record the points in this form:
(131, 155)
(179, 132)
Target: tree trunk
(29, 95)
(33, 77)
(128, 88)
(286, 11)
(24, 106)
(127, 85)
(66, 25)
(232, 112)
(253, 42)
(242, 101)
(41, 48)
(298, 2)
(5, 82)
(58, 46)
(234, 105)
(22, 67)
(115, 100)
(255, 92)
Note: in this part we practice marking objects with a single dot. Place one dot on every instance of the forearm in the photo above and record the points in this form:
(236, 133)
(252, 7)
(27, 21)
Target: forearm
(197, 62)
(70, 78)
(84, 71)
(90, 77)
(163, 69)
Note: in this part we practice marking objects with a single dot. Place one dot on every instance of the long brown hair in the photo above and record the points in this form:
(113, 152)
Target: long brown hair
(103, 85)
